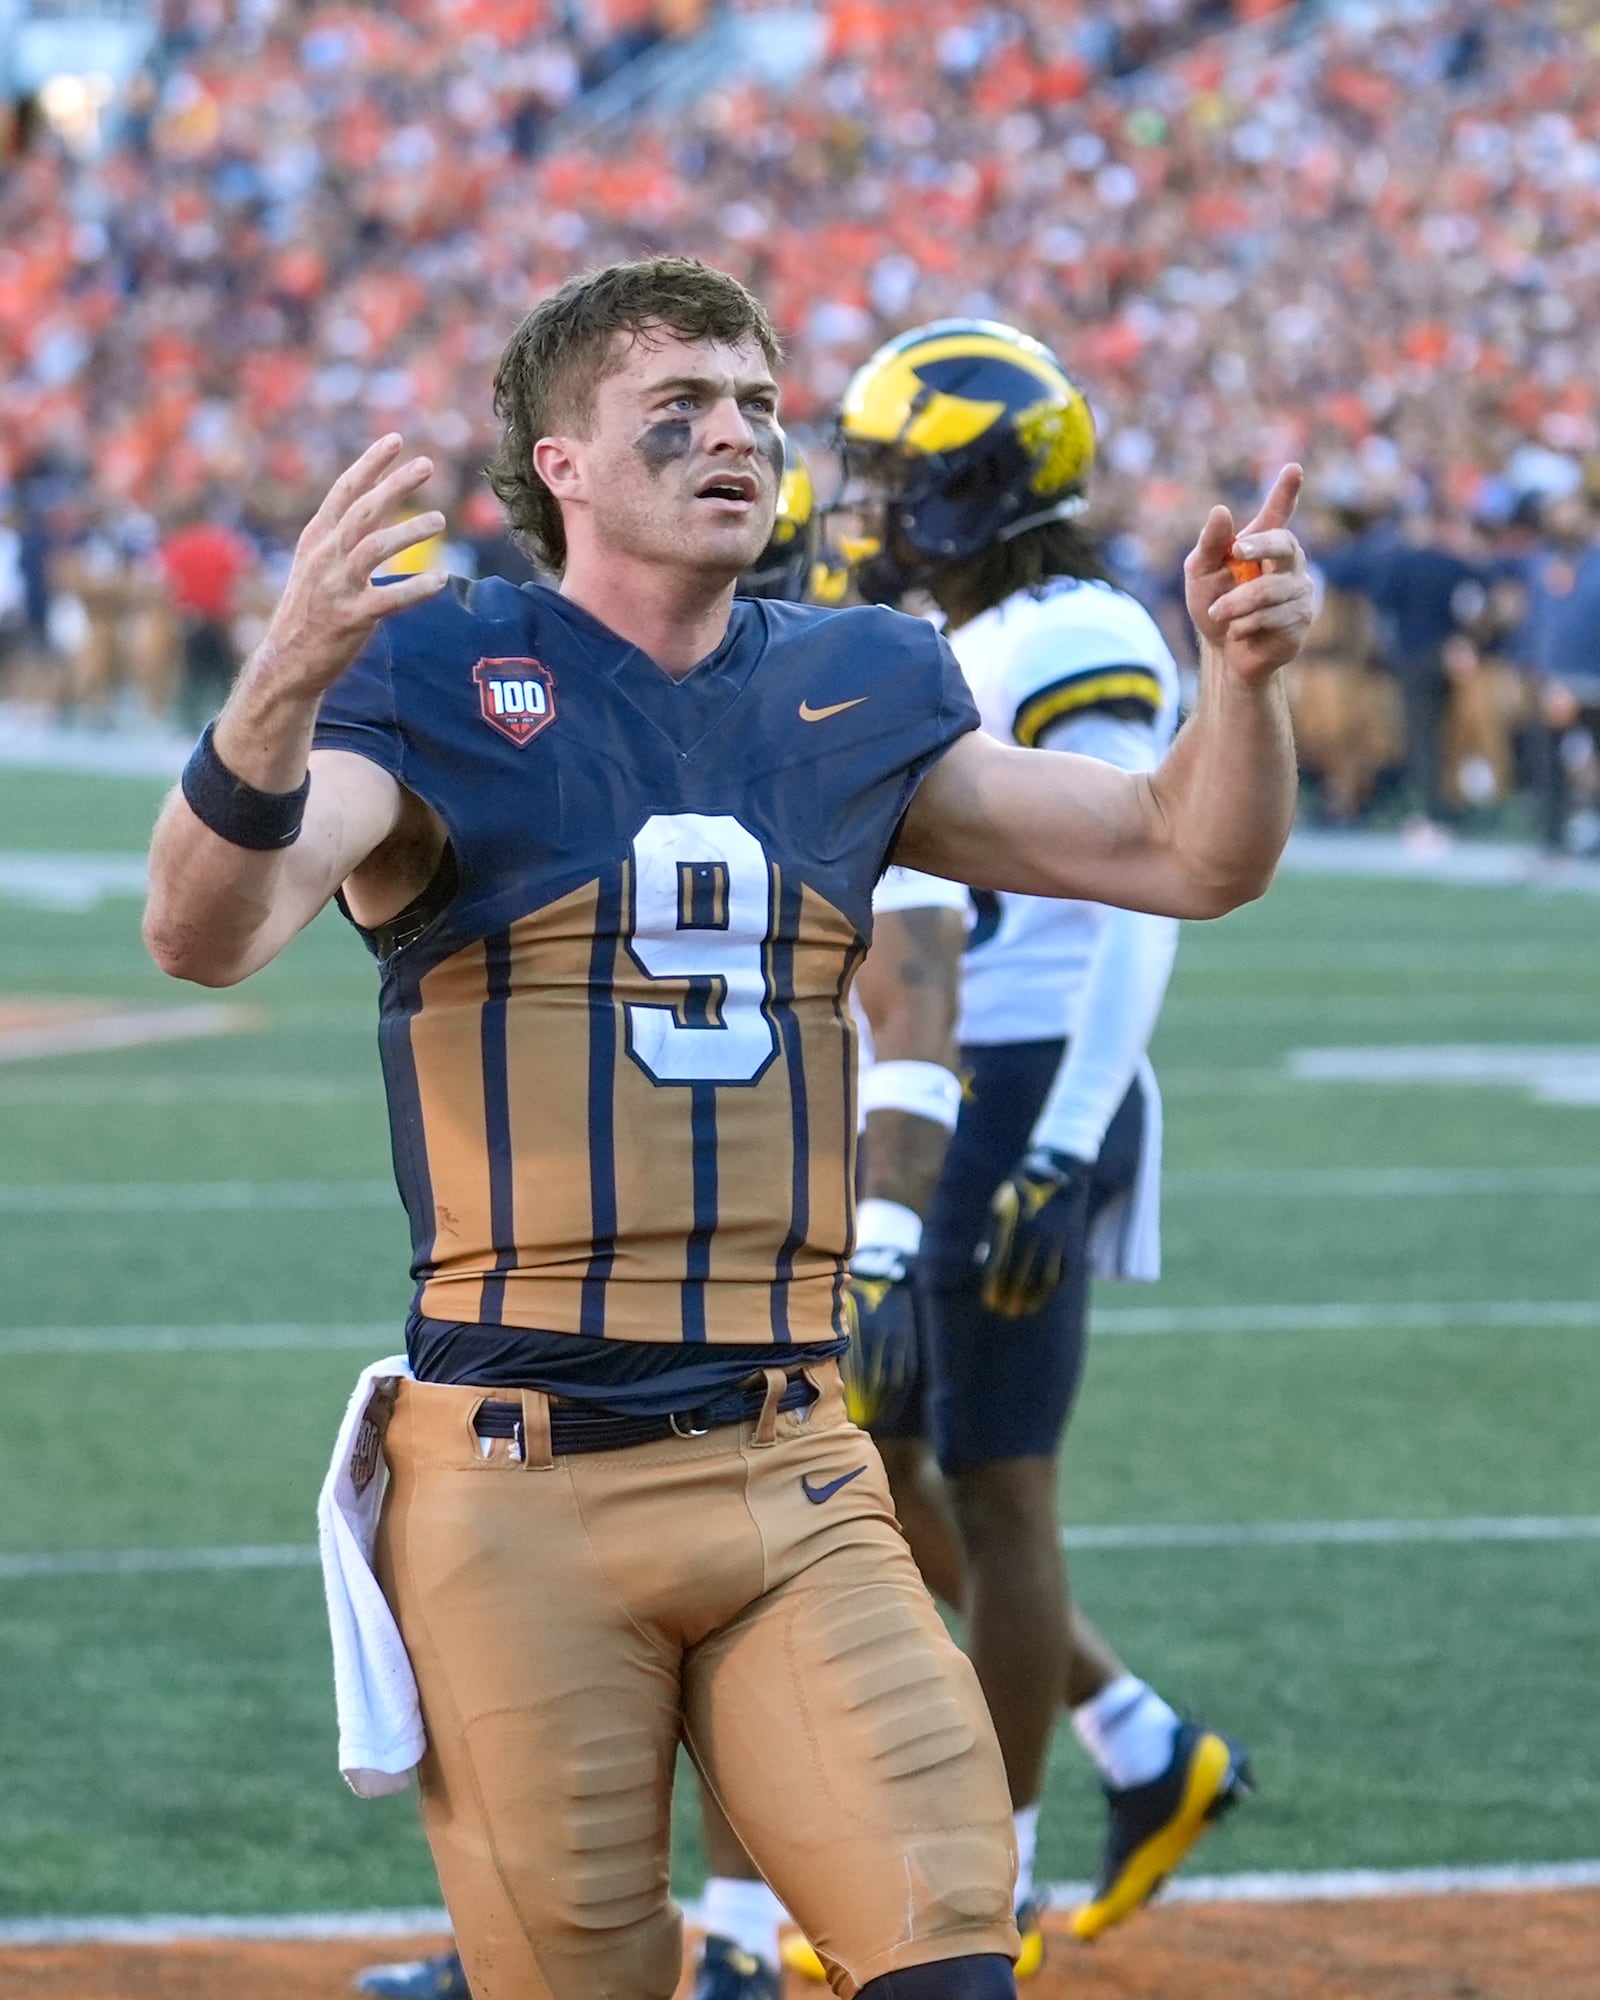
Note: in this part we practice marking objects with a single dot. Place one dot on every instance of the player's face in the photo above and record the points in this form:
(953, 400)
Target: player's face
(685, 456)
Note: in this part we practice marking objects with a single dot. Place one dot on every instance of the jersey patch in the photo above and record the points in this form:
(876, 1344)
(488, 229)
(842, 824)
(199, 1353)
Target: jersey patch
(517, 697)
(1132, 693)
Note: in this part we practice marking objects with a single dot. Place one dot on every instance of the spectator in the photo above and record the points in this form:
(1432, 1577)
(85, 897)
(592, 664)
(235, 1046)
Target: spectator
(1430, 595)
(204, 565)
(1564, 640)
(1347, 721)
(1369, 246)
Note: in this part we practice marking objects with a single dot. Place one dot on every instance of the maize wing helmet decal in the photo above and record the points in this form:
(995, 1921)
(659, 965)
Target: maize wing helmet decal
(1055, 444)
(981, 425)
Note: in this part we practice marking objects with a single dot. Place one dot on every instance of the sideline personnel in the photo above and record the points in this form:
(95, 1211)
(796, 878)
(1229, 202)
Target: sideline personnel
(615, 846)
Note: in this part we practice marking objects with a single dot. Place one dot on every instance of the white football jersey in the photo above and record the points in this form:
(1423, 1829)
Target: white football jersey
(1076, 666)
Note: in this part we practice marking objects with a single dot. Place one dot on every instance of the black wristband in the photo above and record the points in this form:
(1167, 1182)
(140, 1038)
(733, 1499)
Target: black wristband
(235, 811)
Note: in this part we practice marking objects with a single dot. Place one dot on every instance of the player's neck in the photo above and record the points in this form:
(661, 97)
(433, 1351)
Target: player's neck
(674, 617)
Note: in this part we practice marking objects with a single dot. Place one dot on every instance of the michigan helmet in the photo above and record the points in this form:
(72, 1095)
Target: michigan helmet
(783, 568)
(972, 432)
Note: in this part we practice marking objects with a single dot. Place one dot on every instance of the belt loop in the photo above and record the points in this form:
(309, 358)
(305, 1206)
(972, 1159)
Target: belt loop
(767, 1423)
(535, 1440)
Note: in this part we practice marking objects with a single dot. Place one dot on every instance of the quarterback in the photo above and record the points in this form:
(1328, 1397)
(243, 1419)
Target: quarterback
(614, 846)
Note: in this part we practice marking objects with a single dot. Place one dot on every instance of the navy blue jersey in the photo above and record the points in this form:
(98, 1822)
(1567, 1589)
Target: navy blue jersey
(615, 1036)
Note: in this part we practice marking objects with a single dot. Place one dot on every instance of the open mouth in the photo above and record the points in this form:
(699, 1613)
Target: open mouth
(733, 489)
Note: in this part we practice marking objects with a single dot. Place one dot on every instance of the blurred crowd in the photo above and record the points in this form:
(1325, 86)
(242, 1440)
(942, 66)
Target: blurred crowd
(1255, 230)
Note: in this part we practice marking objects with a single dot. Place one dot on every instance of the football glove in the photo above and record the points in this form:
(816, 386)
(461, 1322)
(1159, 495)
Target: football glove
(881, 1362)
(1038, 1223)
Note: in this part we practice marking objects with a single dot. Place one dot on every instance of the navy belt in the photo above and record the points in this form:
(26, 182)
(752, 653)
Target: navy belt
(575, 1427)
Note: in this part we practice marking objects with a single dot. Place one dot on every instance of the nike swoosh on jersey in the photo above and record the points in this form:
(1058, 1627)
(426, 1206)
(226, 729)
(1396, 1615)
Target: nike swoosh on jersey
(810, 714)
(817, 1494)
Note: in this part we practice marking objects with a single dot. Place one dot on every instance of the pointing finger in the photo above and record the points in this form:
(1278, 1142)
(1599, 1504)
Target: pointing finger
(1277, 510)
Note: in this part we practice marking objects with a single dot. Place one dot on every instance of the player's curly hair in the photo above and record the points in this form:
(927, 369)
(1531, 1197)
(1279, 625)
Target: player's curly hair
(1028, 562)
(568, 345)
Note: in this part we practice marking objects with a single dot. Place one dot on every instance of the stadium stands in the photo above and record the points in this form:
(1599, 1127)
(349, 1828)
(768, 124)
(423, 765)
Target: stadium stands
(1247, 225)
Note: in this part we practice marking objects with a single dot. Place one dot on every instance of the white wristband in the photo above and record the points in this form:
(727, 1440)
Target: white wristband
(888, 1225)
(925, 1089)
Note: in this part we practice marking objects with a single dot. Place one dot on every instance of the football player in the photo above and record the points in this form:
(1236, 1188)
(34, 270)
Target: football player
(613, 844)
(968, 449)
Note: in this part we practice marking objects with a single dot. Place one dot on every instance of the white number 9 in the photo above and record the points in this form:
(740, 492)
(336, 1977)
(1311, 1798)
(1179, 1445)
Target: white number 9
(701, 917)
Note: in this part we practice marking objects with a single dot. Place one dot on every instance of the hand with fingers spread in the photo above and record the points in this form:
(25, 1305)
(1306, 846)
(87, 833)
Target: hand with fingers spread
(1259, 624)
(330, 605)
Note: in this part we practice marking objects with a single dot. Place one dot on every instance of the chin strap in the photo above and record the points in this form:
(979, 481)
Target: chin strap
(1064, 510)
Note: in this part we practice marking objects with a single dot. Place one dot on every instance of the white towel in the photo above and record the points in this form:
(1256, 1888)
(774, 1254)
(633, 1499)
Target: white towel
(381, 1736)
(1125, 1241)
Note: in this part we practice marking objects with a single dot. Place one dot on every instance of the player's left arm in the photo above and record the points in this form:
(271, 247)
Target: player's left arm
(1195, 838)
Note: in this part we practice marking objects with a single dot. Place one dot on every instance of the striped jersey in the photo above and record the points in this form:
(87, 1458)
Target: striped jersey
(615, 1031)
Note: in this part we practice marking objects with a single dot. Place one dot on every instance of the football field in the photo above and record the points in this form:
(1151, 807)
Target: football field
(1334, 1482)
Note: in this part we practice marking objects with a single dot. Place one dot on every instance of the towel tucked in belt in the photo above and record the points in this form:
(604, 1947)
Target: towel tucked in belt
(381, 1736)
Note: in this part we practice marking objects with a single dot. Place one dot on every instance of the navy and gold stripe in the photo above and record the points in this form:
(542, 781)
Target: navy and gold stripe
(1131, 693)
(604, 1042)
(781, 977)
(555, 1183)
(497, 1124)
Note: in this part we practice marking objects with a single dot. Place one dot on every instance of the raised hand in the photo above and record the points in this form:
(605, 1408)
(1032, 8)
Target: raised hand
(1260, 624)
(330, 605)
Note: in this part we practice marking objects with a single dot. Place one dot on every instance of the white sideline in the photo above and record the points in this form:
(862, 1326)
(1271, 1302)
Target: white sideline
(1339, 1885)
(1267, 1183)
(153, 1562)
(1337, 1534)
(1465, 1529)
(374, 1337)
(369, 1338)
(1411, 1315)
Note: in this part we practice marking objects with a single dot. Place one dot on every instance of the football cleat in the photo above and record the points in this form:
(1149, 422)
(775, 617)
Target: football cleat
(799, 1955)
(1154, 1825)
(1031, 1956)
(440, 1978)
(727, 1973)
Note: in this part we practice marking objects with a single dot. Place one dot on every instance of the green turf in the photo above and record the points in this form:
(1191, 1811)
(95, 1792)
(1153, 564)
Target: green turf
(165, 1739)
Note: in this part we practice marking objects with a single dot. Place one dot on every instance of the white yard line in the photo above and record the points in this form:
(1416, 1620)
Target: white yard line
(1337, 1885)
(374, 1339)
(30, 1566)
(1333, 1316)
(191, 1197)
(1379, 1183)
(1338, 1534)
(130, 1029)
(1267, 1183)
(200, 1092)
(157, 1562)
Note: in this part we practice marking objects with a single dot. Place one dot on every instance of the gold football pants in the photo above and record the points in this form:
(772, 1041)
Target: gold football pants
(749, 1592)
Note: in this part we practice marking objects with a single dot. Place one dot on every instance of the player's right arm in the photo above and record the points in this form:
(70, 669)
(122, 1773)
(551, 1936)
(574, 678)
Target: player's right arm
(218, 911)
